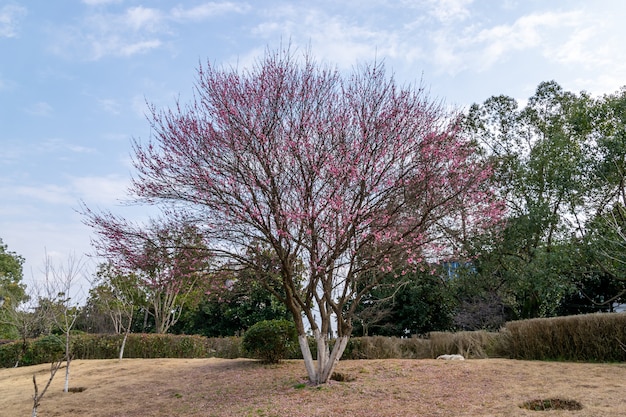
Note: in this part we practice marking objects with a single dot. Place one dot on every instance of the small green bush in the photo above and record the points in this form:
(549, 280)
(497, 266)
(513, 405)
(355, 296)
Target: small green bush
(45, 349)
(270, 340)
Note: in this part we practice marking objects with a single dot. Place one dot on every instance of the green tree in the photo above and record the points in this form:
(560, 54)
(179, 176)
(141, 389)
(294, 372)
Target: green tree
(242, 295)
(12, 290)
(231, 312)
(541, 155)
(604, 236)
(423, 302)
(115, 299)
(117, 294)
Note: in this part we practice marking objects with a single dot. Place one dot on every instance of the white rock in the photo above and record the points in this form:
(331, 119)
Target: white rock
(451, 357)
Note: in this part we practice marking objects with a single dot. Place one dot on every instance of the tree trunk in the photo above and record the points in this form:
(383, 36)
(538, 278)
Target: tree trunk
(54, 367)
(36, 398)
(125, 337)
(145, 320)
(320, 372)
(66, 387)
(68, 359)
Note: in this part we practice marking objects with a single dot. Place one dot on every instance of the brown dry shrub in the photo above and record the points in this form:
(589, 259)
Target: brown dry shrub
(589, 337)
(414, 348)
(476, 345)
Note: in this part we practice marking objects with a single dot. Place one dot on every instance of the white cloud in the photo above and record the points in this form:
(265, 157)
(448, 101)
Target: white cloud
(334, 38)
(113, 45)
(10, 15)
(35, 238)
(101, 190)
(208, 10)
(135, 30)
(49, 194)
(100, 2)
(139, 106)
(40, 108)
(481, 48)
(109, 105)
(138, 47)
(60, 145)
(142, 18)
(110, 189)
(450, 11)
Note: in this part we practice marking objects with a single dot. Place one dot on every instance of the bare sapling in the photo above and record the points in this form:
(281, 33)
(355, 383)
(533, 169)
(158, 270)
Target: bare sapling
(60, 283)
(54, 367)
(118, 293)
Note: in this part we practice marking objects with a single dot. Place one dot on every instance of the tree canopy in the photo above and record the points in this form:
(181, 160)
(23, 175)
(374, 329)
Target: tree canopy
(346, 174)
(559, 167)
(11, 287)
(12, 290)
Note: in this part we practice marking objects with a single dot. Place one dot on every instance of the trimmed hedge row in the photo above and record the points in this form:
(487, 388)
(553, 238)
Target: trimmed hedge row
(42, 350)
(106, 346)
(597, 337)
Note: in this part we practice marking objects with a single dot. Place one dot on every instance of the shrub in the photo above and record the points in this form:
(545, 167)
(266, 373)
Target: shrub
(45, 349)
(106, 346)
(415, 348)
(270, 340)
(225, 347)
(589, 337)
(373, 347)
(477, 344)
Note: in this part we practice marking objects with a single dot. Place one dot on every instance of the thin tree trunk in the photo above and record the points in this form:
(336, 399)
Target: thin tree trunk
(322, 354)
(308, 358)
(68, 359)
(130, 321)
(66, 387)
(54, 367)
(338, 349)
(145, 319)
(36, 397)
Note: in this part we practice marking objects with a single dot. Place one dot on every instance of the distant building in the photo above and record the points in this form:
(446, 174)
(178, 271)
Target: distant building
(453, 268)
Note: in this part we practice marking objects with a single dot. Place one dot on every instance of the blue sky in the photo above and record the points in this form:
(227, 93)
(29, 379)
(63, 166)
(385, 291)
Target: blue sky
(75, 77)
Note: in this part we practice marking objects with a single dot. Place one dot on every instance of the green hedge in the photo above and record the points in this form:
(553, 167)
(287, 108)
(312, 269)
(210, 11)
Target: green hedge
(106, 346)
(42, 350)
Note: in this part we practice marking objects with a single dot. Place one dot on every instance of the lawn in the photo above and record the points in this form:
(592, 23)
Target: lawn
(391, 387)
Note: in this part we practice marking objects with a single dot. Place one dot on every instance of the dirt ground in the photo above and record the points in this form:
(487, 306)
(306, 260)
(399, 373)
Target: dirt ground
(222, 387)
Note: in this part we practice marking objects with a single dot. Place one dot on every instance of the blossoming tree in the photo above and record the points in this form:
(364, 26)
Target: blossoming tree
(169, 262)
(345, 175)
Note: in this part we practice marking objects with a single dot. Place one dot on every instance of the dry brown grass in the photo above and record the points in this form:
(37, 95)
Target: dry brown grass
(390, 387)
